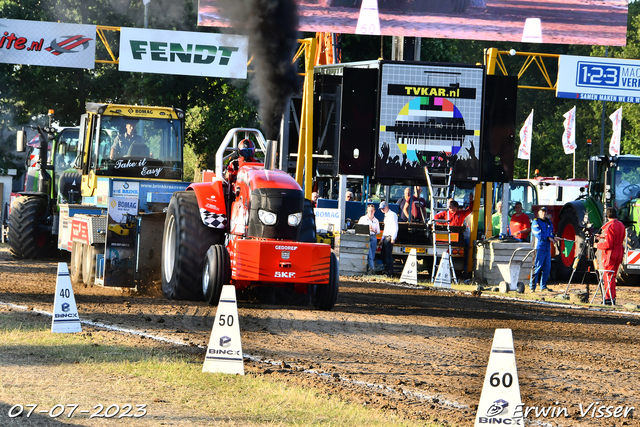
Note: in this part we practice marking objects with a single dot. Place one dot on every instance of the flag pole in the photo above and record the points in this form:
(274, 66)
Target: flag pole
(574, 165)
(529, 168)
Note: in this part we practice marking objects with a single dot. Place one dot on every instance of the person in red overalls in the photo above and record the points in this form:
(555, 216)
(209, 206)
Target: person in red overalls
(610, 242)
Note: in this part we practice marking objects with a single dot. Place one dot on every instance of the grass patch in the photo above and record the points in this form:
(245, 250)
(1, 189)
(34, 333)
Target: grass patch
(107, 367)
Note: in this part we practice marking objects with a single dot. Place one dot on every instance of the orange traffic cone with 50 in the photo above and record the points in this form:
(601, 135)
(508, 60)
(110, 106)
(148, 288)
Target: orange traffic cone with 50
(224, 353)
(410, 270)
(500, 399)
(368, 20)
(65, 311)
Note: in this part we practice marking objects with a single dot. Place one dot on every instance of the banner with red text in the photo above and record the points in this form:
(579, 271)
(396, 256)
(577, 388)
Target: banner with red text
(50, 44)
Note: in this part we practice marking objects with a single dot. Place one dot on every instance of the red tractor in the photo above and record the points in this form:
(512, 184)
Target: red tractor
(249, 226)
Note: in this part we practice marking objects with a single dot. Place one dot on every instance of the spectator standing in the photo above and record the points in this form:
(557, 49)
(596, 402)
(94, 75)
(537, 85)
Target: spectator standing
(496, 219)
(389, 236)
(413, 202)
(349, 196)
(314, 199)
(542, 229)
(520, 224)
(611, 241)
(374, 228)
(455, 216)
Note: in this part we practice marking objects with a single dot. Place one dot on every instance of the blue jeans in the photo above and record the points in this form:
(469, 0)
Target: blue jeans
(373, 245)
(541, 269)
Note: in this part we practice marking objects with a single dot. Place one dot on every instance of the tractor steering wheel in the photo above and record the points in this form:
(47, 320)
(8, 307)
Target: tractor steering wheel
(630, 190)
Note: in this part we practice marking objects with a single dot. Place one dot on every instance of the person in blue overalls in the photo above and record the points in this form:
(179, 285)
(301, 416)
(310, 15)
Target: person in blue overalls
(542, 229)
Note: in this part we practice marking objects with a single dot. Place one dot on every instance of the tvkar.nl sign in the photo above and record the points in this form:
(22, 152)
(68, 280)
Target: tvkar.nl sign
(183, 53)
(49, 44)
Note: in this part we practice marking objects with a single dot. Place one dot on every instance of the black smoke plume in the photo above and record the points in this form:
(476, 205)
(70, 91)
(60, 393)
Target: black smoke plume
(272, 27)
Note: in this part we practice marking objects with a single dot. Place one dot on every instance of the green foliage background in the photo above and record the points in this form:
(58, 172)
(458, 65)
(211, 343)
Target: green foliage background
(214, 105)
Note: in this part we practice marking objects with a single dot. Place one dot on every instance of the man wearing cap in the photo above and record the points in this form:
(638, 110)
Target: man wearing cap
(374, 228)
(388, 236)
(542, 229)
(122, 143)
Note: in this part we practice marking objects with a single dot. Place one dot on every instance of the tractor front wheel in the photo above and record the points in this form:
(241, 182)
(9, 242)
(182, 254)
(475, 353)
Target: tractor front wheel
(216, 273)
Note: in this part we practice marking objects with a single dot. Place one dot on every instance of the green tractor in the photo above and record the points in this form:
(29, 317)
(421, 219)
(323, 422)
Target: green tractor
(51, 178)
(611, 183)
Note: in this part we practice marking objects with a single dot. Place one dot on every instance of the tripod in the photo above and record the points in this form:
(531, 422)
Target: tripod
(588, 243)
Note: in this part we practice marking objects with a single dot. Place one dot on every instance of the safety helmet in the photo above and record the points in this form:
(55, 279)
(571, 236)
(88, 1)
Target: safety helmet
(246, 148)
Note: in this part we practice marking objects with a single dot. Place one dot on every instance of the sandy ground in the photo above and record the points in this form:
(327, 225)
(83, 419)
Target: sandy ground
(421, 353)
(597, 22)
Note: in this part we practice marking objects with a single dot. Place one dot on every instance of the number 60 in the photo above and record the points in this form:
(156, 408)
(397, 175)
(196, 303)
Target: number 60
(507, 380)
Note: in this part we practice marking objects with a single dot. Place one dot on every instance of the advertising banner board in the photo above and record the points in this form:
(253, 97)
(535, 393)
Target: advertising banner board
(556, 21)
(120, 253)
(183, 53)
(50, 44)
(598, 79)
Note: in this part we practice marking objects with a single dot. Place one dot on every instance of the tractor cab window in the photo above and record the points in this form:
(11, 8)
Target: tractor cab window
(140, 147)
(625, 176)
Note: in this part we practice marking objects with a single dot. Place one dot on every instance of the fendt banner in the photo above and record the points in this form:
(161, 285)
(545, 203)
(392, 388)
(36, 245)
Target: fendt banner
(598, 79)
(183, 53)
(50, 44)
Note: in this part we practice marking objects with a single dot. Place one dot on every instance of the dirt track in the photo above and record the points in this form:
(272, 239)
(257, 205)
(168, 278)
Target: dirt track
(422, 352)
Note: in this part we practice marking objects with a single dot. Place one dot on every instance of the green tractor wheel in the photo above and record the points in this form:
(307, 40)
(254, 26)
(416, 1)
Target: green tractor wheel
(29, 236)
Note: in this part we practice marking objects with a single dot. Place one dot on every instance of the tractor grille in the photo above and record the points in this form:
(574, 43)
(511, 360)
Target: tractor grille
(281, 202)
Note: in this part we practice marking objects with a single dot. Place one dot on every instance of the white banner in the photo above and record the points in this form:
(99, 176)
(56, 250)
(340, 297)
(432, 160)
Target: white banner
(614, 145)
(524, 152)
(569, 135)
(598, 79)
(183, 53)
(50, 44)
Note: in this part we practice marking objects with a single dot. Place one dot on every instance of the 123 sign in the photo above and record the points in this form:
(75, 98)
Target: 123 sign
(593, 74)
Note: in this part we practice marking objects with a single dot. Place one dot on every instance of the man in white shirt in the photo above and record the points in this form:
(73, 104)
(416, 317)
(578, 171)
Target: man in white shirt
(388, 236)
(374, 228)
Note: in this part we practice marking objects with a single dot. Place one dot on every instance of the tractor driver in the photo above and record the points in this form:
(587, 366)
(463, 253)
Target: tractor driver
(122, 143)
(246, 152)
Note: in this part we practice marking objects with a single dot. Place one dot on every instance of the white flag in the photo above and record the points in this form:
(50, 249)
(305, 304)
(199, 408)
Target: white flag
(524, 152)
(614, 145)
(569, 135)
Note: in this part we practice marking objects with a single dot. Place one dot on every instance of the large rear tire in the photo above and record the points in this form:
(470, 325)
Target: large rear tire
(216, 273)
(77, 257)
(324, 297)
(631, 242)
(89, 264)
(29, 236)
(185, 242)
(570, 229)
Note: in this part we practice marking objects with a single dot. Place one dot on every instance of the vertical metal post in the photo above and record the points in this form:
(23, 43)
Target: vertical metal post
(606, 52)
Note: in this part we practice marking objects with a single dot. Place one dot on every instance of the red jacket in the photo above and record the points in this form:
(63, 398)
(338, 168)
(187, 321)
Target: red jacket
(457, 219)
(612, 245)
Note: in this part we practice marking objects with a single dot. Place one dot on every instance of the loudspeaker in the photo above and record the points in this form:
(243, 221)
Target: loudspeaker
(499, 128)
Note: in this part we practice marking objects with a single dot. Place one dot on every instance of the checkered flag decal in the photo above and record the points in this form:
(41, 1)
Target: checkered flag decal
(213, 220)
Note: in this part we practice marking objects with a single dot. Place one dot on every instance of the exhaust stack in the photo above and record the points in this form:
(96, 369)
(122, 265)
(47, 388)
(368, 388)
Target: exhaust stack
(271, 154)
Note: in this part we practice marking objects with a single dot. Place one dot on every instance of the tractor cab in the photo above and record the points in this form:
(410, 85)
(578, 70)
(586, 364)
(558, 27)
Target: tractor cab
(624, 176)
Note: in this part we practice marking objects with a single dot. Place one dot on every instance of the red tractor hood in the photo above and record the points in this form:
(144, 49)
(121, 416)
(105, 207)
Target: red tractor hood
(258, 177)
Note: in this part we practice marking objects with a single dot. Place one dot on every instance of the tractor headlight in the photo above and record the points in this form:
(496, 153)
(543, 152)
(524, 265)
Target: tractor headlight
(266, 217)
(294, 219)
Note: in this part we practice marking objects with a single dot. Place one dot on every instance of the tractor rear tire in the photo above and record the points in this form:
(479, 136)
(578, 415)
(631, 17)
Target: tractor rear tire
(75, 269)
(570, 229)
(324, 297)
(216, 273)
(308, 223)
(29, 237)
(185, 242)
(89, 264)
(632, 242)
